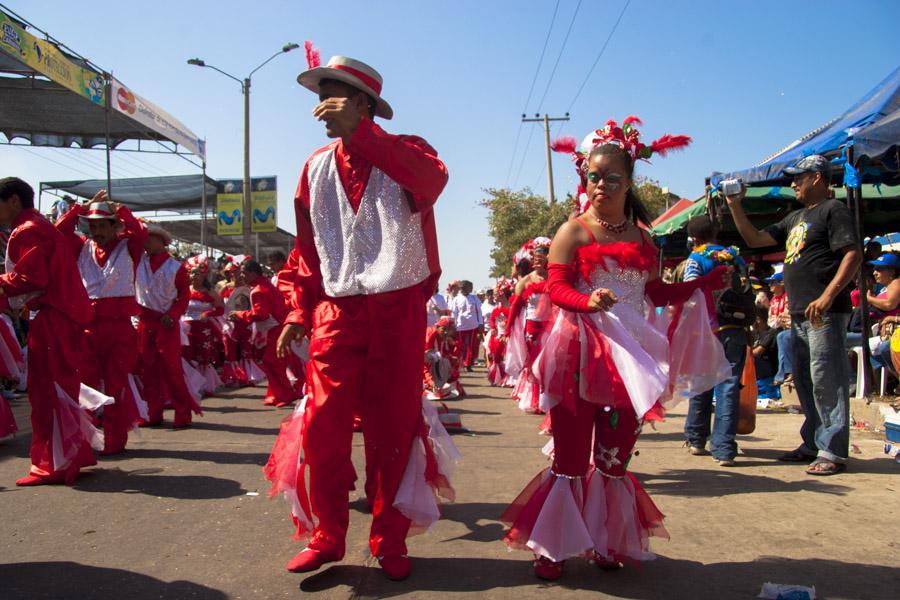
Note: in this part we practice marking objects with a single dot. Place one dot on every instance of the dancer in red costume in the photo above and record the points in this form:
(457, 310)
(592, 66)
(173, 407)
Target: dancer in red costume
(443, 356)
(107, 261)
(163, 291)
(42, 275)
(266, 319)
(529, 317)
(499, 332)
(12, 367)
(240, 367)
(205, 323)
(608, 364)
(368, 263)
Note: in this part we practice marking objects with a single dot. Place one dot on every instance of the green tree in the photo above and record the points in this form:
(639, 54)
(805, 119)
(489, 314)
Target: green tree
(652, 195)
(516, 217)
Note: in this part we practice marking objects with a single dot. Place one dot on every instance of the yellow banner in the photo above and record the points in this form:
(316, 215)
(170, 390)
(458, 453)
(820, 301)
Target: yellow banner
(229, 212)
(264, 205)
(45, 58)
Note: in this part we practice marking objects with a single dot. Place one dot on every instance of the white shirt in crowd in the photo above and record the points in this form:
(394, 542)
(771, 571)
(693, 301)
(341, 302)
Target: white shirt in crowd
(486, 309)
(466, 311)
(435, 308)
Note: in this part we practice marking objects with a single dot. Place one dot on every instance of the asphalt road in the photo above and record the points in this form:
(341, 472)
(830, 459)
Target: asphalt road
(185, 514)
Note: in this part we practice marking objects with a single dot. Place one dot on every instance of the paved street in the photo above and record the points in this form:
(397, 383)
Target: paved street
(185, 514)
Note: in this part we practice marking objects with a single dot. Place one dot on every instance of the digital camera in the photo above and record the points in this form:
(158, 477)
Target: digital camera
(731, 187)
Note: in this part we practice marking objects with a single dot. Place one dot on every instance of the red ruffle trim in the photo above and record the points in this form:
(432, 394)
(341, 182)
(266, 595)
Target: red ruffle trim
(633, 255)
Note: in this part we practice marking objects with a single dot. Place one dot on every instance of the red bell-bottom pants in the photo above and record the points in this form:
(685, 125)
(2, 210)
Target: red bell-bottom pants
(162, 372)
(365, 355)
(614, 433)
(469, 346)
(279, 390)
(54, 353)
(111, 355)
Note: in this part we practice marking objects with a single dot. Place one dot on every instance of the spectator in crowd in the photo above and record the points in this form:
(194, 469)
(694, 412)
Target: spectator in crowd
(780, 319)
(436, 307)
(822, 256)
(466, 312)
(706, 256)
(886, 304)
(765, 355)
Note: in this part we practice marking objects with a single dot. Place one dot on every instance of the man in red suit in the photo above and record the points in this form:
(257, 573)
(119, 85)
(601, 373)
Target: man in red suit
(368, 262)
(107, 261)
(41, 274)
(266, 317)
(163, 291)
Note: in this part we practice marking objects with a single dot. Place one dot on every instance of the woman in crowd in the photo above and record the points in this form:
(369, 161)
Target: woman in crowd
(607, 365)
(887, 305)
(499, 332)
(204, 320)
(529, 317)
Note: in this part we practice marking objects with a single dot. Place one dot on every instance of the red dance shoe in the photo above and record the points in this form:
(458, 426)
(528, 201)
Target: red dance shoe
(310, 559)
(396, 567)
(144, 423)
(605, 564)
(548, 570)
(35, 480)
(269, 402)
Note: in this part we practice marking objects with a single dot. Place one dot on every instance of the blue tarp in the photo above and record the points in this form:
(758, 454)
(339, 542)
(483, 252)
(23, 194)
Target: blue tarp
(873, 124)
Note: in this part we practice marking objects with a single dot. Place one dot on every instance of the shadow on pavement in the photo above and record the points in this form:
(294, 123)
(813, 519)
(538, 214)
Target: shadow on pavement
(227, 410)
(202, 425)
(52, 580)
(469, 514)
(219, 457)
(723, 482)
(662, 578)
(648, 435)
(148, 481)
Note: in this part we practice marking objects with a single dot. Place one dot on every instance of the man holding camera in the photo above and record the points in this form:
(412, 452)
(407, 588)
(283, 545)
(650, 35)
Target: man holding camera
(822, 257)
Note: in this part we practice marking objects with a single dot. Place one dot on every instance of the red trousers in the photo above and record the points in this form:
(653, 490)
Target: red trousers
(365, 355)
(54, 353)
(469, 346)
(614, 433)
(162, 372)
(205, 341)
(279, 389)
(111, 354)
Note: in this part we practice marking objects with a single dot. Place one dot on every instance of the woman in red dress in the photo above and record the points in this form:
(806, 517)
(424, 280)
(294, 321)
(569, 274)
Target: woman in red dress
(609, 363)
(204, 319)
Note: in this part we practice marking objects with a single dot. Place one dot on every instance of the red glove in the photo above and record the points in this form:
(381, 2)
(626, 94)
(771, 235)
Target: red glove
(663, 294)
(559, 281)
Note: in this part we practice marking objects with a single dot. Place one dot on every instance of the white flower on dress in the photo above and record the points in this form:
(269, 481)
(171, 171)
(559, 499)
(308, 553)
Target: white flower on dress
(608, 456)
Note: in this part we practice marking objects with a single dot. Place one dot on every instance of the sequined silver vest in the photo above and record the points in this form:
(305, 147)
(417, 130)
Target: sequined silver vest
(156, 290)
(115, 279)
(380, 248)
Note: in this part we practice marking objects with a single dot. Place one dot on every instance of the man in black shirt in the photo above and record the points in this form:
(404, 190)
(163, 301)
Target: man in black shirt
(822, 257)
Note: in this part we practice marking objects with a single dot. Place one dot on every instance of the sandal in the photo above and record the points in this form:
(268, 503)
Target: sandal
(796, 456)
(824, 467)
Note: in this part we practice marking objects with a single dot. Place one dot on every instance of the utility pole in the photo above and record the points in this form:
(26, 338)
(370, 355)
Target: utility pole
(546, 120)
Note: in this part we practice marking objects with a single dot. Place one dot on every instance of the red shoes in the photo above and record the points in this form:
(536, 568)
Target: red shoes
(396, 567)
(310, 559)
(548, 570)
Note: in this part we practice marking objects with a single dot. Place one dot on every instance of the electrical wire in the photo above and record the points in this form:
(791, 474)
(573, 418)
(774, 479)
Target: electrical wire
(599, 55)
(559, 56)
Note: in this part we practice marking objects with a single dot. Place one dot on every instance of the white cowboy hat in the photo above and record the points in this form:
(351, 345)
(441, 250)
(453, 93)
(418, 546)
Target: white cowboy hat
(99, 211)
(155, 229)
(352, 72)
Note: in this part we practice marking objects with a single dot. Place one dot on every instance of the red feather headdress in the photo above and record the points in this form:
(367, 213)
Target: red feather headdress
(627, 137)
(313, 59)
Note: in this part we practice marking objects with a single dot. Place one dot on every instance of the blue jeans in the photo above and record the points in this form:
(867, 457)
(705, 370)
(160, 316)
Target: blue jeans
(784, 340)
(728, 399)
(881, 358)
(822, 376)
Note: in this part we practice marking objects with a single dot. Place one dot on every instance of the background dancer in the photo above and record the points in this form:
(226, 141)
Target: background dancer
(41, 274)
(204, 319)
(499, 332)
(466, 312)
(266, 318)
(107, 262)
(163, 291)
(364, 307)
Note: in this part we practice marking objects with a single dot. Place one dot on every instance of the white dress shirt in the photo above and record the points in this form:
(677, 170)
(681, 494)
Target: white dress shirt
(436, 307)
(466, 312)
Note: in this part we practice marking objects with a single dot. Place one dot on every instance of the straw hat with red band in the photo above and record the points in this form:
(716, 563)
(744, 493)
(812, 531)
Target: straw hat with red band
(154, 229)
(352, 72)
(100, 211)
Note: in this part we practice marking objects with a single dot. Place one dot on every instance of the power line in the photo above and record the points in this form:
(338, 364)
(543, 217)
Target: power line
(524, 155)
(512, 156)
(599, 54)
(559, 57)
(47, 158)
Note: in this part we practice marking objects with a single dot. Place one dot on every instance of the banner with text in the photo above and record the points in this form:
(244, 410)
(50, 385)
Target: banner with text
(229, 203)
(264, 205)
(47, 59)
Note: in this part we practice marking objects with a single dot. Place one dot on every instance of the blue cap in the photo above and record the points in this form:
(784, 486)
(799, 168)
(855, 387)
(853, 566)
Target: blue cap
(886, 261)
(814, 163)
(776, 278)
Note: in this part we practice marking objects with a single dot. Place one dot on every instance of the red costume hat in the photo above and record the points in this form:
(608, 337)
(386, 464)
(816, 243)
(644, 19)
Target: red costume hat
(444, 322)
(347, 70)
(199, 262)
(527, 250)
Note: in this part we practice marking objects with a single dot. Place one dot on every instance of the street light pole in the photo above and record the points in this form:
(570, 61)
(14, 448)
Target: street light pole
(246, 219)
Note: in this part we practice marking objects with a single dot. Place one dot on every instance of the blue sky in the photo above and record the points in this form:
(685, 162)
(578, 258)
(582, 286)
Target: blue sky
(743, 78)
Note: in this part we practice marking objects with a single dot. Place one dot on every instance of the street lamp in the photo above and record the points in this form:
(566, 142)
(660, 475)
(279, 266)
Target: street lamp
(245, 90)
